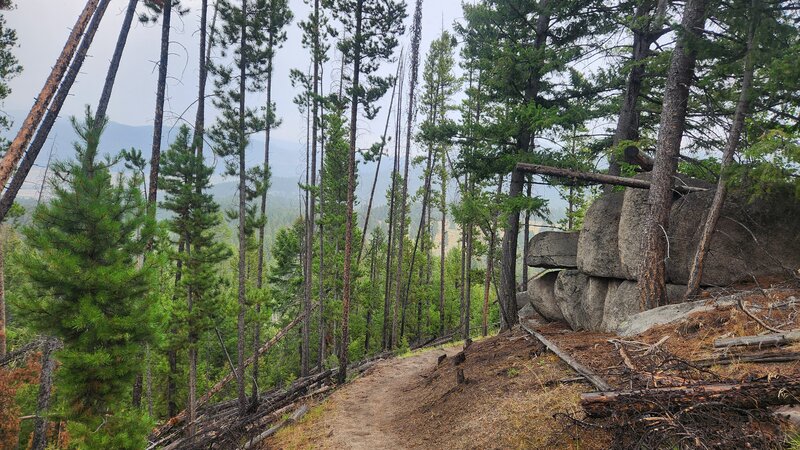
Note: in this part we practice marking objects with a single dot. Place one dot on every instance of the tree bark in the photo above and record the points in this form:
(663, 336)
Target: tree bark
(34, 117)
(242, 218)
(3, 348)
(490, 264)
(714, 212)
(45, 390)
(111, 76)
(52, 112)
(652, 273)
(158, 120)
(341, 376)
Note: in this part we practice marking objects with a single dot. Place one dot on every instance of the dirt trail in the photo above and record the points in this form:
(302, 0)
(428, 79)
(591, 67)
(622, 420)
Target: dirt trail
(366, 413)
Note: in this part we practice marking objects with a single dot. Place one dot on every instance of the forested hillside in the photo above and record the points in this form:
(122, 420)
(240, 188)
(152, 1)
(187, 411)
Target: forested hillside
(184, 284)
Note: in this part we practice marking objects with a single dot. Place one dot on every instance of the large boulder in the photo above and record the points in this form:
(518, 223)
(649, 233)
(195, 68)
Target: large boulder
(633, 220)
(569, 289)
(523, 300)
(598, 251)
(541, 291)
(622, 302)
(752, 238)
(580, 299)
(553, 250)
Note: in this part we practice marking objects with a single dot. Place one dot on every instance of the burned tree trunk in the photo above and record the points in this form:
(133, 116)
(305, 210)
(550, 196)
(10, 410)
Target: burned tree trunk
(45, 390)
(31, 122)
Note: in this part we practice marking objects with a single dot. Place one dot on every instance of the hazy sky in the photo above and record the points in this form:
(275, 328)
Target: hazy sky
(43, 26)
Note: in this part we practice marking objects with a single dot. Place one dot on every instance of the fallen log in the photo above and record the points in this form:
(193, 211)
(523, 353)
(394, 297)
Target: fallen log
(301, 411)
(181, 416)
(599, 178)
(593, 378)
(767, 340)
(764, 358)
(759, 394)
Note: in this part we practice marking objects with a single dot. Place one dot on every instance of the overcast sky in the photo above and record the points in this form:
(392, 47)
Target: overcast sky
(43, 26)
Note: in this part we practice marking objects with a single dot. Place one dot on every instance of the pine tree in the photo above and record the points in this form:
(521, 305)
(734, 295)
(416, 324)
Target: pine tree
(91, 293)
(372, 30)
(242, 33)
(185, 182)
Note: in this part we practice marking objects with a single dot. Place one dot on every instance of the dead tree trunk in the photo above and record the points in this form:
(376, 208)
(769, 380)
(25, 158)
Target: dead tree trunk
(758, 394)
(240, 320)
(158, 118)
(52, 112)
(742, 107)
(598, 178)
(34, 117)
(652, 273)
(111, 76)
(2, 290)
(490, 265)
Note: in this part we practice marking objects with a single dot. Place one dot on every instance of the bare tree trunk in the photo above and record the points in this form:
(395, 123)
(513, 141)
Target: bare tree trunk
(652, 273)
(351, 183)
(205, 60)
(442, 244)
(380, 158)
(242, 217)
(158, 121)
(43, 401)
(387, 304)
(742, 107)
(321, 327)
(468, 279)
(52, 112)
(191, 406)
(111, 76)
(34, 117)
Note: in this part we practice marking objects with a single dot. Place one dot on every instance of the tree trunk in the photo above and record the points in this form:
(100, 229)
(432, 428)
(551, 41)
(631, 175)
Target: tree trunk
(387, 304)
(412, 87)
(205, 60)
(468, 282)
(442, 244)
(652, 273)
(3, 348)
(43, 401)
(191, 405)
(242, 217)
(508, 274)
(526, 236)
(34, 117)
(311, 201)
(712, 217)
(51, 114)
(599, 178)
(111, 76)
(351, 183)
(490, 264)
(158, 120)
(321, 326)
(380, 158)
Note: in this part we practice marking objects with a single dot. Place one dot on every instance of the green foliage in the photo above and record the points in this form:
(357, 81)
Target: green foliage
(124, 429)
(90, 290)
(9, 69)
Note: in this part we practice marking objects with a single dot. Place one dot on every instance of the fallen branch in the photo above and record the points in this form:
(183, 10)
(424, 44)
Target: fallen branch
(767, 340)
(764, 358)
(599, 178)
(593, 378)
(298, 414)
(752, 395)
(754, 317)
(181, 416)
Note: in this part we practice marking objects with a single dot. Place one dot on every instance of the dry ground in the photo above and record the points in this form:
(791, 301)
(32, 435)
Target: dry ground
(517, 395)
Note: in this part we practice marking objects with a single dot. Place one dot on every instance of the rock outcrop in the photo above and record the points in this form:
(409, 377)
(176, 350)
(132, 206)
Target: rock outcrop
(596, 288)
(553, 250)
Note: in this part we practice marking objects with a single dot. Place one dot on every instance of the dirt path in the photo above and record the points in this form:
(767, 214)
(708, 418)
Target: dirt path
(366, 413)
